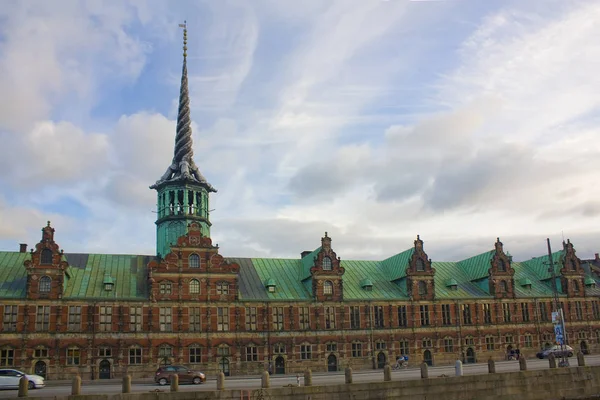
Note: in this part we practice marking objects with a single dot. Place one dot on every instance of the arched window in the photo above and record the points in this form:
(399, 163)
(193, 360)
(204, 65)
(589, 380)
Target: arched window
(420, 265)
(573, 265)
(194, 261)
(326, 264)
(46, 257)
(575, 286)
(194, 286)
(45, 284)
(503, 288)
(501, 265)
(327, 288)
(422, 288)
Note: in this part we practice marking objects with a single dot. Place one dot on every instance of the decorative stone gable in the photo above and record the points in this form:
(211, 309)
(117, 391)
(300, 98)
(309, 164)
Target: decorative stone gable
(501, 282)
(571, 274)
(193, 270)
(327, 282)
(46, 268)
(420, 275)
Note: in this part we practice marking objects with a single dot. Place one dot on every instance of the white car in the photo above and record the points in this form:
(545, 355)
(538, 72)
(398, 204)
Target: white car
(9, 379)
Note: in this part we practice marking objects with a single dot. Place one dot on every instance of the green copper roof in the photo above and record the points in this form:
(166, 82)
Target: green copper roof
(540, 266)
(365, 283)
(383, 289)
(395, 266)
(255, 271)
(477, 267)
(451, 282)
(589, 281)
(446, 271)
(524, 281)
(13, 277)
(523, 276)
(308, 261)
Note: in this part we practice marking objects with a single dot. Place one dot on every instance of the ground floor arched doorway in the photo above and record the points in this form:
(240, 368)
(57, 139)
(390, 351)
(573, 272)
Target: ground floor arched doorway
(470, 358)
(381, 360)
(224, 366)
(40, 369)
(427, 358)
(584, 347)
(280, 365)
(104, 369)
(332, 363)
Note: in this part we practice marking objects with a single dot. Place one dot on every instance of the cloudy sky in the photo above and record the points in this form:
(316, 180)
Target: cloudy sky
(374, 120)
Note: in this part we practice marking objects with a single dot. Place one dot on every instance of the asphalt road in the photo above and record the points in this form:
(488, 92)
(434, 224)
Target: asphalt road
(114, 386)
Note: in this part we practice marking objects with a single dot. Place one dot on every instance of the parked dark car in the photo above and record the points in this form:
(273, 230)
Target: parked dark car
(566, 351)
(186, 375)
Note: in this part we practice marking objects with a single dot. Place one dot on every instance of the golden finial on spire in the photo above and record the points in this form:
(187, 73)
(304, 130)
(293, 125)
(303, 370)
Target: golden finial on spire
(184, 26)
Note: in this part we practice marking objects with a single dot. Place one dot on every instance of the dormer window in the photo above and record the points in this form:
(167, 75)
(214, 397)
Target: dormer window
(366, 284)
(526, 283)
(590, 282)
(108, 282)
(327, 288)
(501, 265)
(452, 284)
(420, 265)
(46, 257)
(194, 261)
(270, 285)
(45, 284)
(326, 264)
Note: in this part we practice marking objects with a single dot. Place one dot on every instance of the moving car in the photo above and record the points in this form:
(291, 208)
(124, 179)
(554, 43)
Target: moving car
(163, 375)
(566, 351)
(9, 379)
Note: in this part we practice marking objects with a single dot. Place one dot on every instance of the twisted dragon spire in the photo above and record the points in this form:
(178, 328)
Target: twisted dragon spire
(183, 167)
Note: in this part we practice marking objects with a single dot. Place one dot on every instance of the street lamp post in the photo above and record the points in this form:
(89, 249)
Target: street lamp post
(558, 319)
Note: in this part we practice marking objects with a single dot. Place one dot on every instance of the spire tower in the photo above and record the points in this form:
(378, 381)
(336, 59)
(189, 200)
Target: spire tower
(182, 190)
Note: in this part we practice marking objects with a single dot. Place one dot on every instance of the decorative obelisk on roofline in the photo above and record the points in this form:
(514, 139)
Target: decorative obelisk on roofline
(182, 190)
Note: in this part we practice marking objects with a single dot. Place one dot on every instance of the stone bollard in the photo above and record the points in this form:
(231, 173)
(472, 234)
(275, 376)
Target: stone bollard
(491, 366)
(552, 360)
(221, 381)
(76, 386)
(308, 377)
(23, 386)
(424, 371)
(348, 374)
(387, 373)
(580, 359)
(458, 368)
(126, 388)
(174, 383)
(265, 380)
(522, 364)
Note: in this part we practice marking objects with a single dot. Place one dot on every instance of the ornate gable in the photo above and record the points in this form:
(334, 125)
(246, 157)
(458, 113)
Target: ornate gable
(572, 274)
(194, 269)
(46, 268)
(420, 275)
(327, 283)
(500, 274)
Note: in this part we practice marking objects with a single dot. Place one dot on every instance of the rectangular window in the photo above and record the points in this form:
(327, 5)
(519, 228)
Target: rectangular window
(487, 313)
(73, 356)
(251, 353)
(402, 320)
(466, 312)
(305, 351)
(356, 349)
(195, 324)
(195, 355)
(378, 314)
(525, 311)
(105, 319)
(426, 343)
(329, 317)
(279, 348)
(42, 318)
(165, 288)
(489, 343)
(506, 312)
(403, 346)
(104, 352)
(74, 318)
(304, 317)
(543, 312)
(354, 317)
(135, 319)
(40, 352)
(277, 318)
(222, 288)
(469, 341)
(446, 315)
(331, 347)
(165, 319)
(578, 310)
(135, 355)
(528, 341)
(7, 357)
(449, 345)
(596, 309)
(380, 346)
(10, 318)
(250, 318)
(424, 315)
(222, 319)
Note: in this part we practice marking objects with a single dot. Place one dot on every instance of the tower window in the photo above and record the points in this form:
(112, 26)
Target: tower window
(194, 261)
(422, 288)
(46, 257)
(327, 288)
(326, 264)
(503, 288)
(501, 265)
(420, 265)
(45, 284)
(573, 265)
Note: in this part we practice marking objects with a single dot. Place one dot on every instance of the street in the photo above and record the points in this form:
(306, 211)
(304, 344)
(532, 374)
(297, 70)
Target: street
(114, 386)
